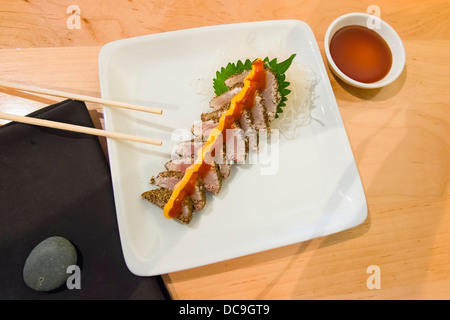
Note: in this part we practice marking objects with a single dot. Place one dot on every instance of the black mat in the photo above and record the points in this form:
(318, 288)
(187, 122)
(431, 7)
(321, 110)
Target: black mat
(55, 182)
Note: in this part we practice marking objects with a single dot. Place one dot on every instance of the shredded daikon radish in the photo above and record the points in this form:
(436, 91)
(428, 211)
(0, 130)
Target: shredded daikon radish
(299, 104)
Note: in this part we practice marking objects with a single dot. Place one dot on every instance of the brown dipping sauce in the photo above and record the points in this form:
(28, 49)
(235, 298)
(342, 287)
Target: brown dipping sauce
(361, 54)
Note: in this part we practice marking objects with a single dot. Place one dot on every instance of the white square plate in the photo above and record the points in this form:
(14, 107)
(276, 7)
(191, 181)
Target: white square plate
(316, 190)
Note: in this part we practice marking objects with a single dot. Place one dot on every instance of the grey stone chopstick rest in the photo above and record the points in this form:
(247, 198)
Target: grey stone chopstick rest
(46, 267)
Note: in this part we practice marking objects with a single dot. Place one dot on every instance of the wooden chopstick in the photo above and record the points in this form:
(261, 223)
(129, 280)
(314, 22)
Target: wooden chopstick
(77, 128)
(74, 96)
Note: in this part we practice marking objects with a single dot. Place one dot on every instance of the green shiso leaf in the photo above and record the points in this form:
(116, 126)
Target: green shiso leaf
(234, 68)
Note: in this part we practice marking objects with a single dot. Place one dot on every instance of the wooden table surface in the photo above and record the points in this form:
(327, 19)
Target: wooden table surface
(399, 135)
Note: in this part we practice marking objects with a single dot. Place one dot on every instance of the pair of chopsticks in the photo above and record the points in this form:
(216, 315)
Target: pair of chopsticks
(76, 128)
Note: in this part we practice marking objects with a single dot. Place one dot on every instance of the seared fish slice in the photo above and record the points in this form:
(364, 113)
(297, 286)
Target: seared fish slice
(189, 148)
(270, 94)
(212, 181)
(219, 101)
(235, 144)
(168, 180)
(161, 196)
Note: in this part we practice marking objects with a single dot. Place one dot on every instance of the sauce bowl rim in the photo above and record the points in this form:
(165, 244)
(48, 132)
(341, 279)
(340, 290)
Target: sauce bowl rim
(398, 53)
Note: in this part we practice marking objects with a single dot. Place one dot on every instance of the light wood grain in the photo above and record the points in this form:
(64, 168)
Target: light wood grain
(399, 135)
(62, 69)
(34, 23)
